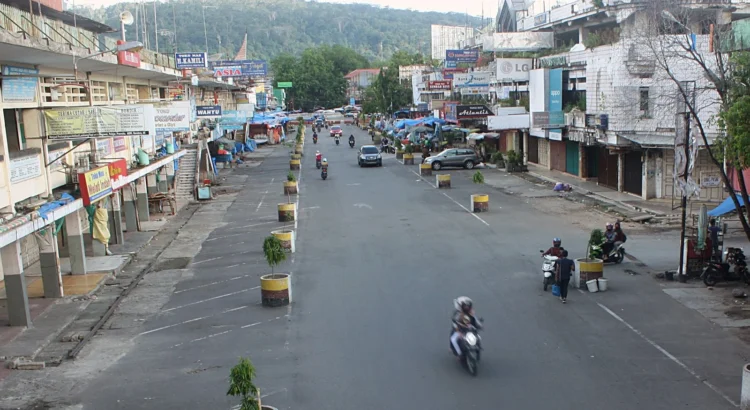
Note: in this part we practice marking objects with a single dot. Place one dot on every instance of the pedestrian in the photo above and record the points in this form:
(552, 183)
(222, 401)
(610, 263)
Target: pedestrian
(565, 269)
(713, 231)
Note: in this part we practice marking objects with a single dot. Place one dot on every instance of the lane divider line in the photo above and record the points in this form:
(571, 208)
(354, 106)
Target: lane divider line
(669, 355)
(466, 209)
(210, 299)
(158, 329)
(212, 283)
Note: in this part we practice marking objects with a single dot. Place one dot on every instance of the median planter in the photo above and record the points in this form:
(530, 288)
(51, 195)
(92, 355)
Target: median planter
(290, 187)
(296, 156)
(480, 203)
(443, 181)
(408, 158)
(399, 154)
(287, 212)
(294, 164)
(298, 149)
(425, 170)
(275, 289)
(586, 270)
(286, 237)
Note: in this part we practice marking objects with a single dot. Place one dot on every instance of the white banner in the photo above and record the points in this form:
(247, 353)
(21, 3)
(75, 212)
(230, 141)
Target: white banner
(513, 69)
(173, 116)
(525, 41)
(508, 122)
(475, 79)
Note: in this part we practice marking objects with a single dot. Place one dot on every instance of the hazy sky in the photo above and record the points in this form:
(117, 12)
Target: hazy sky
(473, 7)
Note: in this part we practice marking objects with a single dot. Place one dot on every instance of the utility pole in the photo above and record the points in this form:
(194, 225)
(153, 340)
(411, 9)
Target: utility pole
(156, 29)
(205, 30)
(682, 274)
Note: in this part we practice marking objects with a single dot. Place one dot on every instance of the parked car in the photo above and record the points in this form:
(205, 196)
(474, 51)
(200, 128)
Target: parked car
(350, 115)
(336, 130)
(454, 157)
(369, 155)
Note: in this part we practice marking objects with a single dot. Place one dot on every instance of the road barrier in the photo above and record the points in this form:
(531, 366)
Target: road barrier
(399, 154)
(276, 290)
(425, 170)
(443, 181)
(294, 164)
(290, 187)
(587, 269)
(408, 158)
(480, 203)
(286, 237)
(287, 212)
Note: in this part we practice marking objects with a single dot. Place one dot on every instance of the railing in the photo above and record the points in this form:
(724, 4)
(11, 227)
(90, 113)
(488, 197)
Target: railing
(20, 21)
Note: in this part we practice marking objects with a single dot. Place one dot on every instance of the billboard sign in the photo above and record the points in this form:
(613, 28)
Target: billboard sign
(524, 41)
(172, 117)
(190, 60)
(513, 69)
(548, 119)
(240, 68)
(462, 56)
(208, 111)
(475, 79)
(95, 122)
(441, 85)
(450, 109)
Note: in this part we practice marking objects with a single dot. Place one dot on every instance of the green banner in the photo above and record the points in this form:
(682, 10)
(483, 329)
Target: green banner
(282, 84)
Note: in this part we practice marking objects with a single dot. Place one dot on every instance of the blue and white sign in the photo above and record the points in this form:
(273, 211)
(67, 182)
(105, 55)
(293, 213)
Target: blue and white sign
(475, 79)
(462, 56)
(555, 99)
(208, 111)
(233, 120)
(241, 68)
(190, 60)
(352, 101)
(261, 101)
(20, 89)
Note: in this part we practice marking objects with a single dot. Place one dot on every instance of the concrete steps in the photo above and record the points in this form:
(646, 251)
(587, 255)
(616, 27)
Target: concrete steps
(185, 177)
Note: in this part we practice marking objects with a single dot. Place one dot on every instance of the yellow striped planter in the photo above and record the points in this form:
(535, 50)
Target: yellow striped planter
(399, 154)
(298, 149)
(408, 158)
(294, 164)
(286, 237)
(443, 181)
(287, 212)
(290, 187)
(296, 156)
(425, 170)
(480, 203)
(588, 269)
(276, 289)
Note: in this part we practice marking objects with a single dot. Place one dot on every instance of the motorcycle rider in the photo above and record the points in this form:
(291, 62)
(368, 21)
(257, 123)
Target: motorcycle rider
(351, 138)
(610, 237)
(318, 156)
(556, 249)
(463, 320)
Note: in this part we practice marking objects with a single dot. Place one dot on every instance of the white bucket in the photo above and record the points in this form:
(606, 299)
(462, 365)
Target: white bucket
(591, 284)
(602, 284)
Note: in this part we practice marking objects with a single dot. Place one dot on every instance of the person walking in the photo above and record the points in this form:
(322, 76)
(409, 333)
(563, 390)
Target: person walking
(565, 269)
(714, 232)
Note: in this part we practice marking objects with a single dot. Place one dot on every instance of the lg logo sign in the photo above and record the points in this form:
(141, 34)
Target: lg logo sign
(510, 67)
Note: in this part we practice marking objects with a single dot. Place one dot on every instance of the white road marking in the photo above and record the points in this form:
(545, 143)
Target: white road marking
(261, 201)
(206, 260)
(312, 207)
(423, 178)
(245, 226)
(669, 356)
(191, 320)
(251, 325)
(212, 283)
(363, 206)
(355, 184)
(210, 299)
(466, 209)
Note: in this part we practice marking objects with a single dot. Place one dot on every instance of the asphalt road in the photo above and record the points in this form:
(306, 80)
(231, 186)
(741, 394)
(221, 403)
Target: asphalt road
(380, 255)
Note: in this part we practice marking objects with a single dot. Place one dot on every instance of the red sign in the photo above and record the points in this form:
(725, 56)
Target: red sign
(120, 144)
(118, 169)
(228, 71)
(129, 58)
(448, 72)
(439, 85)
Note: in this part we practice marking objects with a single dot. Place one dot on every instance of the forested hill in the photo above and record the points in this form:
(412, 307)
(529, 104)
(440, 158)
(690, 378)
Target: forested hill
(276, 26)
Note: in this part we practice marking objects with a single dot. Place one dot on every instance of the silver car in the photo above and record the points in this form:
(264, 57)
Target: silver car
(369, 155)
(454, 157)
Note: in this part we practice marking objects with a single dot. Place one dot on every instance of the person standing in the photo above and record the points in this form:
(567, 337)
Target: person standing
(565, 269)
(713, 232)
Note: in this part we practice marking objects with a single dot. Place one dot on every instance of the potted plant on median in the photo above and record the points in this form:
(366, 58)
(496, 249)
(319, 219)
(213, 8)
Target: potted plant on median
(241, 385)
(408, 154)
(497, 159)
(515, 162)
(275, 288)
(290, 185)
(590, 267)
(399, 148)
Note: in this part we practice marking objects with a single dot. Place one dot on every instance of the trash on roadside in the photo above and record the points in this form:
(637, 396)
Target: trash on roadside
(561, 187)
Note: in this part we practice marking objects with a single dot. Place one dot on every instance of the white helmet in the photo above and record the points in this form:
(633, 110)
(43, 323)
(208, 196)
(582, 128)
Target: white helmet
(462, 300)
(325, 160)
(317, 152)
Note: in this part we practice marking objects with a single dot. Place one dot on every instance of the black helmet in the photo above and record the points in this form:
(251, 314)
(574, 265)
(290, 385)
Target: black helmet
(556, 242)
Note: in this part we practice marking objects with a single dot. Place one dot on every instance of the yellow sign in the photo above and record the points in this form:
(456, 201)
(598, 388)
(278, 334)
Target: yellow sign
(95, 184)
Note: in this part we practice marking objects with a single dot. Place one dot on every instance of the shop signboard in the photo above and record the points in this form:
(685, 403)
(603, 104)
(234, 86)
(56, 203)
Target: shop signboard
(22, 89)
(129, 58)
(94, 185)
(284, 84)
(513, 69)
(450, 109)
(233, 120)
(120, 143)
(475, 79)
(95, 122)
(103, 147)
(261, 100)
(555, 100)
(159, 140)
(118, 169)
(239, 68)
(53, 157)
(172, 117)
(190, 60)
(448, 72)
(548, 119)
(462, 56)
(208, 111)
(25, 167)
(473, 111)
(444, 85)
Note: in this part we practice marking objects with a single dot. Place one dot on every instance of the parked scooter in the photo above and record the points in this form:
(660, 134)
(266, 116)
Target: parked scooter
(324, 172)
(548, 270)
(722, 272)
(616, 255)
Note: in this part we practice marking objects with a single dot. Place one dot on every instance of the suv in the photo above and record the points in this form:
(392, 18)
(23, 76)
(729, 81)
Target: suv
(454, 157)
(369, 155)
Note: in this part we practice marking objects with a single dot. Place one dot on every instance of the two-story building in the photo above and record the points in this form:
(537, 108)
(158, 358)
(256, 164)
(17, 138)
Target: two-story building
(358, 80)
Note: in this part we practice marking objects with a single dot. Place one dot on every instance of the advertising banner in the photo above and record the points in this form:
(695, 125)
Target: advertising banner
(473, 111)
(513, 69)
(450, 109)
(525, 41)
(190, 60)
(548, 119)
(208, 111)
(129, 58)
(23, 168)
(241, 68)
(174, 116)
(475, 79)
(120, 143)
(19, 89)
(118, 169)
(233, 120)
(439, 85)
(555, 100)
(448, 73)
(95, 122)
(462, 56)
(94, 185)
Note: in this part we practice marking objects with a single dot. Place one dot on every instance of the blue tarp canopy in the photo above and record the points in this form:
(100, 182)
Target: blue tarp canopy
(726, 207)
(268, 119)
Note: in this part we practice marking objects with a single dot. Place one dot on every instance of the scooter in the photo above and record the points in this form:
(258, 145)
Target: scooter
(722, 272)
(616, 255)
(351, 143)
(471, 347)
(337, 140)
(315, 139)
(318, 164)
(548, 270)
(324, 172)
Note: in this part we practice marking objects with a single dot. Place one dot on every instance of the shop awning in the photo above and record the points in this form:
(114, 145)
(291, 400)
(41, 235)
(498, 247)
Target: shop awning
(650, 140)
(726, 207)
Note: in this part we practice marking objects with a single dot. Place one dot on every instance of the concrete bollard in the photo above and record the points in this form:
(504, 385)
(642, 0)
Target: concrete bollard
(480, 203)
(286, 237)
(290, 187)
(294, 164)
(276, 289)
(443, 181)
(399, 154)
(425, 170)
(287, 212)
(408, 159)
(745, 392)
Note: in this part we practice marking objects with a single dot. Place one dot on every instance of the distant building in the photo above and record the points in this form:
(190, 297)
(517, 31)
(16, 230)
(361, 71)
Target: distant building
(406, 71)
(447, 38)
(358, 80)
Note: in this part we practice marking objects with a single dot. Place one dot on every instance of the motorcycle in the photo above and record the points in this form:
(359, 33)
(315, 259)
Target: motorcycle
(324, 172)
(548, 270)
(616, 255)
(337, 140)
(320, 128)
(722, 271)
(318, 164)
(351, 143)
(471, 347)
(315, 139)
(326, 125)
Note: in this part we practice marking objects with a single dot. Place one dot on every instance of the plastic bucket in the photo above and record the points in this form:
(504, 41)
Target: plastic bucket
(591, 284)
(602, 283)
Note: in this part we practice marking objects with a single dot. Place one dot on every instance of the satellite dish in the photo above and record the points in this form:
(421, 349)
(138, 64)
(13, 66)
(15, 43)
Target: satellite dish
(126, 18)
